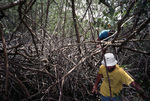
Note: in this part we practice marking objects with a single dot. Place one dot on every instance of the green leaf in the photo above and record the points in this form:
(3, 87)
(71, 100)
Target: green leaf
(104, 13)
(111, 11)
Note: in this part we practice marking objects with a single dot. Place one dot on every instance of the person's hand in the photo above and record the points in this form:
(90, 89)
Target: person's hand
(94, 90)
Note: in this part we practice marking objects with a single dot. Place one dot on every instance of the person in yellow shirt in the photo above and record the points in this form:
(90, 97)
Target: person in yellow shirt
(117, 77)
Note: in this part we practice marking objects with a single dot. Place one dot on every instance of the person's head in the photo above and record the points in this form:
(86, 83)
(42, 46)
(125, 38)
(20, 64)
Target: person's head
(110, 61)
(111, 32)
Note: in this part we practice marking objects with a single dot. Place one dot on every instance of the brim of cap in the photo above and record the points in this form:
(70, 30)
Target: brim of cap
(110, 64)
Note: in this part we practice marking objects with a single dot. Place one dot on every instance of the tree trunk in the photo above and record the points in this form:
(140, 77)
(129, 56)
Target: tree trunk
(75, 24)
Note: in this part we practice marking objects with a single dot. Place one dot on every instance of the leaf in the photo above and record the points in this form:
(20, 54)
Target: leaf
(99, 20)
(111, 11)
(126, 66)
(105, 14)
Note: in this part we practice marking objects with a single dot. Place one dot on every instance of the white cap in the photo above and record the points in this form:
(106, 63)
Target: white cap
(110, 60)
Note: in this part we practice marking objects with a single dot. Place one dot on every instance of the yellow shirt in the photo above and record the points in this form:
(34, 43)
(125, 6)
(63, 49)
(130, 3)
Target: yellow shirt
(117, 78)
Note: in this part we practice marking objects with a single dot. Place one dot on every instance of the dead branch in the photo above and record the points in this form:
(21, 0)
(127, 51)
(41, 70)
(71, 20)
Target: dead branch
(8, 6)
(6, 63)
(122, 20)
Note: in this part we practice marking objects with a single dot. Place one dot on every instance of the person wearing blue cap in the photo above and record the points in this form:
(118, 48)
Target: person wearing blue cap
(104, 34)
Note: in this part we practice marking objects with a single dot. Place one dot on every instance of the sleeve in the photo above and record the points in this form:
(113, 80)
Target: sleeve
(101, 36)
(100, 69)
(126, 78)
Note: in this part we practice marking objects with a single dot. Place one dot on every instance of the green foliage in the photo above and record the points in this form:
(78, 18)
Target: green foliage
(6, 31)
(111, 11)
(59, 20)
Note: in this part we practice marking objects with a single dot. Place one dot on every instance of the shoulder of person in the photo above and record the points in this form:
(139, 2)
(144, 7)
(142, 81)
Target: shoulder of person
(119, 67)
(102, 66)
(103, 31)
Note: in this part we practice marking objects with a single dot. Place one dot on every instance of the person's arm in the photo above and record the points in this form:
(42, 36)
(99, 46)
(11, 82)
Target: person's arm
(138, 89)
(98, 39)
(98, 78)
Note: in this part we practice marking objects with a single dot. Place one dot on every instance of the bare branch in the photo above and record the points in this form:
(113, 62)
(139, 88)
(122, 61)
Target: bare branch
(15, 3)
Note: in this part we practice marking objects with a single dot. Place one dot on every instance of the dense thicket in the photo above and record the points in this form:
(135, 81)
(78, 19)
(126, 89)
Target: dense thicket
(48, 47)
